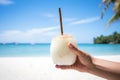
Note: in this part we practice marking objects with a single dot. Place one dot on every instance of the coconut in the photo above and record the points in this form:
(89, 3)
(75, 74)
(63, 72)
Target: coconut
(60, 52)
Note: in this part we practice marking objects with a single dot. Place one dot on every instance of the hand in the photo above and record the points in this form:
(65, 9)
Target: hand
(83, 60)
(86, 63)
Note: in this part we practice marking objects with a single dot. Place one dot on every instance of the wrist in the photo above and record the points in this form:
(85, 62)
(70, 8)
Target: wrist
(92, 67)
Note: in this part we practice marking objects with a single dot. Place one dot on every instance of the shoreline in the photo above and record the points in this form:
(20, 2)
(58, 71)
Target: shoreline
(42, 68)
(107, 57)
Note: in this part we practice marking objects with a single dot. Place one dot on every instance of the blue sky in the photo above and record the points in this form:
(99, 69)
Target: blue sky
(37, 21)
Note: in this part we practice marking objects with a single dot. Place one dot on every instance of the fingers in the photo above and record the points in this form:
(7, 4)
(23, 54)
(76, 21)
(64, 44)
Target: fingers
(63, 67)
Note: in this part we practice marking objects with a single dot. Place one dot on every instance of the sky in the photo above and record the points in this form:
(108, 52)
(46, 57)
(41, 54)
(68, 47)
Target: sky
(37, 21)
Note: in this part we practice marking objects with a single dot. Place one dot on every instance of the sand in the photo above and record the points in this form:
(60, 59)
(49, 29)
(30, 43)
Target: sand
(41, 68)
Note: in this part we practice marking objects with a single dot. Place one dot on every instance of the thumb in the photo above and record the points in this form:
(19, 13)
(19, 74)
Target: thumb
(73, 49)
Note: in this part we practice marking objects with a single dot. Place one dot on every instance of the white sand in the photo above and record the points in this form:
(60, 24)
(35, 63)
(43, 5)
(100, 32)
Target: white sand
(41, 68)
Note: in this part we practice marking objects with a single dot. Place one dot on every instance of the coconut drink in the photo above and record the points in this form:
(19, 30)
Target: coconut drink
(59, 50)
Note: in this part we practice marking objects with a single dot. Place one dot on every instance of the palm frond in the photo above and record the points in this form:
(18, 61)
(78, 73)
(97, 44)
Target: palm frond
(114, 18)
(107, 3)
(116, 7)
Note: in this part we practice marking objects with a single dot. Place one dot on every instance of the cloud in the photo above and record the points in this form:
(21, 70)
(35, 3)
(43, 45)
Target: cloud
(30, 36)
(69, 19)
(84, 21)
(41, 30)
(6, 2)
(49, 15)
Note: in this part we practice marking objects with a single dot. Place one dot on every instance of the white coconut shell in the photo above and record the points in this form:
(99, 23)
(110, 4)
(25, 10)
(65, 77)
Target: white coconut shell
(60, 52)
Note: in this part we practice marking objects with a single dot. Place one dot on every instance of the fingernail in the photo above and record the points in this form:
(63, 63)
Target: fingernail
(70, 45)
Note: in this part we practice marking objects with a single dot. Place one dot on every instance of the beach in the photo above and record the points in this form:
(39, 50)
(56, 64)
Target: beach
(41, 68)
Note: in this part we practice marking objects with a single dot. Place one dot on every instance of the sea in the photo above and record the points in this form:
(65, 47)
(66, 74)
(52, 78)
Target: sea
(43, 49)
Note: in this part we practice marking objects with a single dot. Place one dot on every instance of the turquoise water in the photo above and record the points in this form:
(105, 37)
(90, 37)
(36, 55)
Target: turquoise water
(27, 50)
(101, 49)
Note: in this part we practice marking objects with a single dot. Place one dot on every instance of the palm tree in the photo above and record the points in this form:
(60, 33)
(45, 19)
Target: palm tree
(116, 8)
